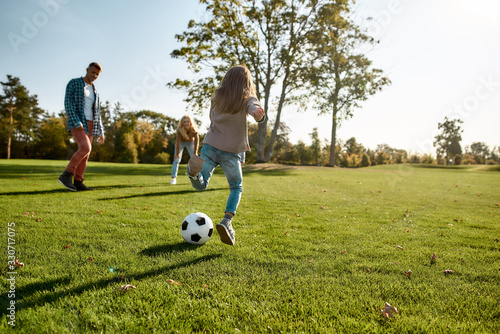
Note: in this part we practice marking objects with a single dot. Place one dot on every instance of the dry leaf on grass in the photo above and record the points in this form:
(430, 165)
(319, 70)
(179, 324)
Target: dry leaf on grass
(126, 287)
(388, 309)
(408, 273)
(433, 258)
(171, 281)
(17, 263)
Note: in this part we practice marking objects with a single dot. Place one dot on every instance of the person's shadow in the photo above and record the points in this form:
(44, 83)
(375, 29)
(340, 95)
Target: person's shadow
(23, 294)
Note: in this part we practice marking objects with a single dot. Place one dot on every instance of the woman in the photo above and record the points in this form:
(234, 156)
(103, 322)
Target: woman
(187, 137)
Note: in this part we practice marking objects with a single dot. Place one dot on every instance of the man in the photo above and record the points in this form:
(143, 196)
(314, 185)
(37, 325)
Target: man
(81, 103)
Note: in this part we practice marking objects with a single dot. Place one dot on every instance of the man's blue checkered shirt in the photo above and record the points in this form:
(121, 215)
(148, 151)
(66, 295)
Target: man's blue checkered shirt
(74, 104)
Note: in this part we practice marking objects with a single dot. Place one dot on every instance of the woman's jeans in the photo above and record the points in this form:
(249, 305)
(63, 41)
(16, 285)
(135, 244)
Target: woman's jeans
(230, 164)
(189, 145)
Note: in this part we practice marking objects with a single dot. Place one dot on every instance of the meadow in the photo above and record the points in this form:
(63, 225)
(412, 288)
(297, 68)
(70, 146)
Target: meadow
(318, 250)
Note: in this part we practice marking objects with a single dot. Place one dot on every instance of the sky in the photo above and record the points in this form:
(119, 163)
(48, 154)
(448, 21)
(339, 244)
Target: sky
(442, 56)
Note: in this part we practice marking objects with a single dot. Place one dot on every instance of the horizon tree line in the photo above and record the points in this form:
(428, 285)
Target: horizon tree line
(149, 137)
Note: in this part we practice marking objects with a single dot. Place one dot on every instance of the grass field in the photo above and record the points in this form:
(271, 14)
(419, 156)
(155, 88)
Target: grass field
(318, 250)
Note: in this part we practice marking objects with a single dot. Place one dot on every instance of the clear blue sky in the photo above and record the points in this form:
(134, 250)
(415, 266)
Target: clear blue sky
(443, 57)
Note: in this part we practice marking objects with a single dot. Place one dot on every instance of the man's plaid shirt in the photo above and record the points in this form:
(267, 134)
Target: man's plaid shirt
(74, 104)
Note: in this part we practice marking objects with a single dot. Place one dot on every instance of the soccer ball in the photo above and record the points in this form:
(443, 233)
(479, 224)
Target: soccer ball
(197, 228)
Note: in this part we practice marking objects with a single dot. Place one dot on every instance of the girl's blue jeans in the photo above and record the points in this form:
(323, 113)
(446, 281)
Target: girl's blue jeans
(189, 145)
(230, 164)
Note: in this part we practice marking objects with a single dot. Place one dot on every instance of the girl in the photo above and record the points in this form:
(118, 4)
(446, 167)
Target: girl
(187, 137)
(226, 141)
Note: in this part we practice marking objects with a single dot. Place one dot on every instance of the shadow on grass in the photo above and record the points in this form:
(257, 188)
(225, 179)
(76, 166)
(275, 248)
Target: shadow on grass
(41, 192)
(29, 290)
(19, 171)
(267, 169)
(163, 193)
(64, 190)
(440, 166)
(165, 249)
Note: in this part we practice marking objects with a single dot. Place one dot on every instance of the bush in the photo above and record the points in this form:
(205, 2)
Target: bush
(414, 159)
(365, 160)
(354, 160)
(383, 158)
(427, 159)
(344, 160)
(162, 158)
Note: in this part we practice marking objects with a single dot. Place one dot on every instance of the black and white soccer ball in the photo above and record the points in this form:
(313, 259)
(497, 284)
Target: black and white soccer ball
(197, 228)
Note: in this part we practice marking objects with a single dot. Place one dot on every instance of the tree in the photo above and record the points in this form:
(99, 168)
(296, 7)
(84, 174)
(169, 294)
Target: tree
(270, 37)
(447, 142)
(480, 150)
(342, 75)
(382, 158)
(351, 146)
(20, 115)
(495, 154)
(315, 147)
(304, 153)
(365, 160)
(52, 140)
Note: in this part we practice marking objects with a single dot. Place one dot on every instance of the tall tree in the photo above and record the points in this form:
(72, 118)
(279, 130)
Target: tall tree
(352, 146)
(342, 76)
(52, 139)
(447, 142)
(480, 149)
(20, 115)
(269, 36)
(315, 146)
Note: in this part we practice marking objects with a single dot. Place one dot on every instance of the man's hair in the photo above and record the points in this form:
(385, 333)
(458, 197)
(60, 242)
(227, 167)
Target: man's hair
(96, 65)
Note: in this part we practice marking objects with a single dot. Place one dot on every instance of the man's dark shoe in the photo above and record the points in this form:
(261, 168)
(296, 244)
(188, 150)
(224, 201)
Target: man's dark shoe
(81, 187)
(66, 179)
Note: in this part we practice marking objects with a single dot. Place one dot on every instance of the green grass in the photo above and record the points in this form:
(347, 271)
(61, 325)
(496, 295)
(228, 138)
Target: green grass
(316, 251)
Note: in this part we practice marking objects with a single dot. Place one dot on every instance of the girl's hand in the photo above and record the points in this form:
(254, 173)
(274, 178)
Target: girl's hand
(259, 114)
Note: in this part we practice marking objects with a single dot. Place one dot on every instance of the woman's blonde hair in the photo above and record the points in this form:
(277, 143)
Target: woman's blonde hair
(234, 89)
(193, 129)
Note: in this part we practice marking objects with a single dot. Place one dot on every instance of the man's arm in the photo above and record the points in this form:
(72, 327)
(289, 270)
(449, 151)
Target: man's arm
(69, 106)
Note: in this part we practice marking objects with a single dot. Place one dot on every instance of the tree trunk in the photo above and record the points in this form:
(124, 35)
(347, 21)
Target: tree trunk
(331, 161)
(262, 127)
(261, 141)
(9, 141)
(278, 118)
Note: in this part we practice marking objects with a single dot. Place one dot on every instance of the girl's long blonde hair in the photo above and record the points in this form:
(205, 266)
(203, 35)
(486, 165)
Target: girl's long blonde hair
(193, 128)
(234, 89)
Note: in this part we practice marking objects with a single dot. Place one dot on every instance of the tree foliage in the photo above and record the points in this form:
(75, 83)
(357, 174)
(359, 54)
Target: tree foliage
(447, 142)
(341, 76)
(270, 37)
(19, 117)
